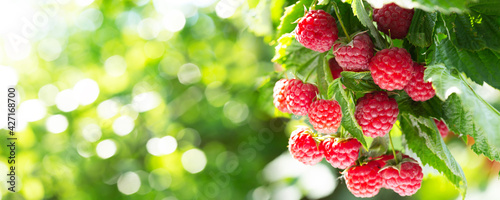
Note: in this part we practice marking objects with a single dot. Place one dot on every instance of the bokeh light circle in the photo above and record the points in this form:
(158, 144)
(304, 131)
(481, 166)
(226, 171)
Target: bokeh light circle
(56, 123)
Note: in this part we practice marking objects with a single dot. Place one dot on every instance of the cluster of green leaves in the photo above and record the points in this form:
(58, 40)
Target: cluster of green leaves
(458, 40)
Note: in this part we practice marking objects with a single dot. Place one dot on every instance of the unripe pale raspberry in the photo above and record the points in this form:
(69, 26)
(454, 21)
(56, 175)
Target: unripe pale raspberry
(364, 180)
(317, 31)
(299, 96)
(355, 57)
(406, 181)
(417, 89)
(393, 20)
(340, 153)
(443, 129)
(391, 68)
(325, 115)
(279, 95)
(376, 113)
(303, 147)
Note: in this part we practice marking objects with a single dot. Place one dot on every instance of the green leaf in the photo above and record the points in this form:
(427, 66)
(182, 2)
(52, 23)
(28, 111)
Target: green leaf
(462, 121)
(359, 10)
(322, 72)
(358, 81)
(423, 138)
(473, 31)
(479, 66)
(292, 55)
(444, 6)
(429, 108)
(292, 13)
(351, 22)
(346, 101)
(422, 28)
(488, 7)
(465, 112)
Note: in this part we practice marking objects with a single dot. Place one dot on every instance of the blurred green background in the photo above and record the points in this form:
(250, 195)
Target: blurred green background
(165, 100)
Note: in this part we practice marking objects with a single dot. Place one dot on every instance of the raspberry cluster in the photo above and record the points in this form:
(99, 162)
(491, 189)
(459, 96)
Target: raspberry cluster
(376, 111)
(366, 180)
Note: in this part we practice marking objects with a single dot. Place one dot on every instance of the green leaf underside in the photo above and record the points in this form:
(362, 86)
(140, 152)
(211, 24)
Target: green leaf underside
(291, 14)
(298, 57)
(346, 101)
(422, 28)
(473, 31)
(429, 146)
(465, 112)
(359, 10)
(445, 6)
(358, 81)
(479, 65)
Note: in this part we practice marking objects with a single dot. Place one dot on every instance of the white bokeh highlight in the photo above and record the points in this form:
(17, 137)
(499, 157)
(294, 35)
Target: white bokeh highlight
(48, 94)
(32, 110)
(107, 109)
(86, 91)
(146, 101)
(123, 125)
(66, 100)
(129, 183)
(56, 123)
(173, 20)
(115, 66)
(189, 73)
(194, 161)
(106, 148)
(148, 29)
(161, 146)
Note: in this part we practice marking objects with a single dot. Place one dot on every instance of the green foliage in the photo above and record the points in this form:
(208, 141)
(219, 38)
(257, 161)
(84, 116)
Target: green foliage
(423, 138)
(473, 31)
(445, 6)
(292, 13)
(422, 28)
(359, 10)
(465, 111)
(346, 100)
(358, 81)
(488, 7)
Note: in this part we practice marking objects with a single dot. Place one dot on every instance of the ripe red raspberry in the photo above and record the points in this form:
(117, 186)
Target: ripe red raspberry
(299, 96)
(317, 31)
(335, 68)
(340, 153)
(325, 115)
(279, 95)
(393, 20)
(354, 57)
(364, 180)
(376, 113)
(443, 129)
(391, 68)
(303, 147)
(406, 181)
(417, 89)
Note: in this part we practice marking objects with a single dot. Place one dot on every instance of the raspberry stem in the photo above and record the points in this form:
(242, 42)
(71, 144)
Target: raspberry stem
(340, 20)
(313, 5)
(393, 151)
(309, 74)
